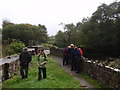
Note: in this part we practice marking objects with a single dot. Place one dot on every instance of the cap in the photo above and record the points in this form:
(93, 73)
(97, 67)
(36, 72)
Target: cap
(71, 44)
(25, 48)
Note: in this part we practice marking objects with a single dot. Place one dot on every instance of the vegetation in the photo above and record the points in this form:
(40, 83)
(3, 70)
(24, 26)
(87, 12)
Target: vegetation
(56, 78)
(15, 47)
(27, 33)
(16, 36)
(99, 33)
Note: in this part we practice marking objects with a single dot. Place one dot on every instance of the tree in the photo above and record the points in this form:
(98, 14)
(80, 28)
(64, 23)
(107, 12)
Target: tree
(29, 34)
(59, 39)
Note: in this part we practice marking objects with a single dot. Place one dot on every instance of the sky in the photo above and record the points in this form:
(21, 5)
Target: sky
(48, 12)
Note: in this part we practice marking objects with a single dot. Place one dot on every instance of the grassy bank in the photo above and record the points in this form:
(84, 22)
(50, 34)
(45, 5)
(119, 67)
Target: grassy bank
(92, 81)
(56, 78)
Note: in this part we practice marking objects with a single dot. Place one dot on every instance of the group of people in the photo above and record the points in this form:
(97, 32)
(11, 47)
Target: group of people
(72, 55)
(25, 58)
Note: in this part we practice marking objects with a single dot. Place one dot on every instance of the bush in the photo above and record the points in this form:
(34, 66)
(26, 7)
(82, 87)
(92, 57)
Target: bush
(15, 47)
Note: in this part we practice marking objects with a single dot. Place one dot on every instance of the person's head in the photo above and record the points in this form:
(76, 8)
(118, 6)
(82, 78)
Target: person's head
(25, 49)
(72, 45)
(42, 51)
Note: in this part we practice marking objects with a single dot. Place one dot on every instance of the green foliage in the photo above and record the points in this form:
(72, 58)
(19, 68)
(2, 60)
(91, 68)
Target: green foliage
(60, 39)
(100, 32)
(15, 47)
(56, 77)
(27, 33)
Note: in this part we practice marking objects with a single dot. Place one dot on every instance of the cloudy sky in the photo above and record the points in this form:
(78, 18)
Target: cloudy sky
(48, 12)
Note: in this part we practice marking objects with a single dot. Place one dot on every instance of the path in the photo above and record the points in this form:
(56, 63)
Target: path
(84, 83)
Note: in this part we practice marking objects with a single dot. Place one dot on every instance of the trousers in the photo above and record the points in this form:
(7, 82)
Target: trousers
(40, 72)
(24, 71)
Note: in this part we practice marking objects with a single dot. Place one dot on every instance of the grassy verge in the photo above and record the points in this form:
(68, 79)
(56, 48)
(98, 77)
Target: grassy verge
(56, 78)
(90, 80)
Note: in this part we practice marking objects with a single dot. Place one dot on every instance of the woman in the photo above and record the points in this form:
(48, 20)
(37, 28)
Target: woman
(41, 65)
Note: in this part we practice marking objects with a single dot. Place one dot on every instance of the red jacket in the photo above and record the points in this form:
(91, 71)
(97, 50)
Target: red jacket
(81, 52)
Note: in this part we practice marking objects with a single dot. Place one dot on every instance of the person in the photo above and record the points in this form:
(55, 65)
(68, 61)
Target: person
(79, 64)
(71, 56)
(25, 58)
(41, 64)
(65, 56)
(77, 56)
(81, 52)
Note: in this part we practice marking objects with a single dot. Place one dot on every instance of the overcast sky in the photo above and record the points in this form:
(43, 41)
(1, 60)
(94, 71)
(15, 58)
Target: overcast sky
(48, 12)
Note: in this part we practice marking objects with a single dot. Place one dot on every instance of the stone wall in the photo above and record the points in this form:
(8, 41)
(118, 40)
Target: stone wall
(103, 74)
(10, 69)
(56, 51)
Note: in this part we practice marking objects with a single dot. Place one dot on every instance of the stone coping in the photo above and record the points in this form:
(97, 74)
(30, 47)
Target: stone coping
(8, 60)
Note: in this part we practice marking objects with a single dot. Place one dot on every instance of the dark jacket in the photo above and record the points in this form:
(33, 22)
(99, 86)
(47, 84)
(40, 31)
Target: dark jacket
(25, 58)
(65, 51)
(77, 54)
(71, 53)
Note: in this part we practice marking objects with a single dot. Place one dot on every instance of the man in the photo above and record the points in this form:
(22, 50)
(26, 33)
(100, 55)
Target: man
(77, 56)
(25, 58)
(71, 55)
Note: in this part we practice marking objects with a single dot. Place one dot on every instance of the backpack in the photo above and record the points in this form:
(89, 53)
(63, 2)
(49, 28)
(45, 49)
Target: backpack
(65, 51)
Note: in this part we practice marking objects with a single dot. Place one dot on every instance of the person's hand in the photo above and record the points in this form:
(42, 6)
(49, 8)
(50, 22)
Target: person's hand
(41, 64)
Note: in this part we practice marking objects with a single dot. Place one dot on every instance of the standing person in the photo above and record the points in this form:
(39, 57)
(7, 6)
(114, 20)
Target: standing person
(71, 55)
(65, 56)
(80, 61)
(41, 65)
(25, 58)
(68, 56)
(77, 56)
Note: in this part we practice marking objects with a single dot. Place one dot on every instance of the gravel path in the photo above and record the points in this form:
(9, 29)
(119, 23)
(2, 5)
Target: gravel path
(84, 83)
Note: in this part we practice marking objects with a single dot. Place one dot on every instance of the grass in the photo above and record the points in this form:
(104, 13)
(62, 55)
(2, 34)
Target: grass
(56, 78)
(92, 81)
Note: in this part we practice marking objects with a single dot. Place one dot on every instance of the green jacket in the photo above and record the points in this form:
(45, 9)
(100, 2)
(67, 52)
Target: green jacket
(42, 60)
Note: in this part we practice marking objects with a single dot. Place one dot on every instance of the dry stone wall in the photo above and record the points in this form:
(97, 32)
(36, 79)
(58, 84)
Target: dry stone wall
(103, 74)
(9, 69)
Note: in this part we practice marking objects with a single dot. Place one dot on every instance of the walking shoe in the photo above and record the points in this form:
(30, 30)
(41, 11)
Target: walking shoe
(26, 76)
(22, 77)
(77, 72)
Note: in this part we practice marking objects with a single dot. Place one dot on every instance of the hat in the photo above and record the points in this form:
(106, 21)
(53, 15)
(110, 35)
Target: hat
(71, 44)
(25, 48)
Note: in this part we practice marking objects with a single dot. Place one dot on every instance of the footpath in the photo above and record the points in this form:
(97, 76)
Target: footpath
(83, 82)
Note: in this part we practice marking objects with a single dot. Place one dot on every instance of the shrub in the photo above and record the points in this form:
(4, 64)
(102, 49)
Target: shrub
(15, 47)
